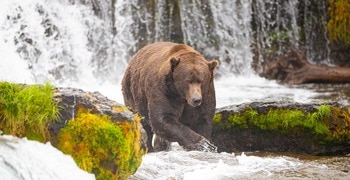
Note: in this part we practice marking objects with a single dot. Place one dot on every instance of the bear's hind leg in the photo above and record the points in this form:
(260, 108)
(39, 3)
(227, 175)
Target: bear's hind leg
(148, 129)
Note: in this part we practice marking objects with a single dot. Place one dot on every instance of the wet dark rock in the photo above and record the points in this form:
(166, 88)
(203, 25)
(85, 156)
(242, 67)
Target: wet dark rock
(71, 99)
(251, 138)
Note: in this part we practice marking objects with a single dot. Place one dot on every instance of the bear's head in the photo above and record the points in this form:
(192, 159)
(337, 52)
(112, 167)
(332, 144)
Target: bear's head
(192, 77)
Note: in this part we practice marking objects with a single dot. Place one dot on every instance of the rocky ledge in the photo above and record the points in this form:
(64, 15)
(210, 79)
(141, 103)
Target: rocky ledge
(71, 99)
(313, 128)
(101, 135)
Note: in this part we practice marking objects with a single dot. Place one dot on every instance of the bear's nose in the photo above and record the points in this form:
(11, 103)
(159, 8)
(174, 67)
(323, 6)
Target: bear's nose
(197, 101)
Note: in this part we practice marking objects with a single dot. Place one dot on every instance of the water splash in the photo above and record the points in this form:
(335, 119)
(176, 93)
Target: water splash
(180, 164)
(25, 159)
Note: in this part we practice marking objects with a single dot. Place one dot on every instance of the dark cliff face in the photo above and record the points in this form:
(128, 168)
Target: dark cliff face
(314, 128)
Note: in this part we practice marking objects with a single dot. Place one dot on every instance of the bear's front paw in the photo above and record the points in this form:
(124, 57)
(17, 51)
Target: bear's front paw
(206, 146)
(160, 144)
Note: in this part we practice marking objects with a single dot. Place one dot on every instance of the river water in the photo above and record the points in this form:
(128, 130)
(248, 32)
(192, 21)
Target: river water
(67, 45)
(180, 164)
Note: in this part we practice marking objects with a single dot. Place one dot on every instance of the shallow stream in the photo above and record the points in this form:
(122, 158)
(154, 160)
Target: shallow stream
(180, 164)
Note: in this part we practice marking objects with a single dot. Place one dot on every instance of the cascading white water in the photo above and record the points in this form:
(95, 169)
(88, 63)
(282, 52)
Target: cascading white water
(275, 27)
(234, 35)
(88, 45)
(316, 38)
(61, 42)
(48, 39)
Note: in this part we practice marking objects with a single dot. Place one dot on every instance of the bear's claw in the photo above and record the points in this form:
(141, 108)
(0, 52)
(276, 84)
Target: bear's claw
(206, 146)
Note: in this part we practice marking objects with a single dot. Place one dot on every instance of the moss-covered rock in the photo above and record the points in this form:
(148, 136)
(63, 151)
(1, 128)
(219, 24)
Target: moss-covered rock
(321, 129)
(102, 136)
(108, 149)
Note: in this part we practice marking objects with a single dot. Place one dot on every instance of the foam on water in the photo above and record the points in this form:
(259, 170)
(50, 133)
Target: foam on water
(25, 159)
(180, 164)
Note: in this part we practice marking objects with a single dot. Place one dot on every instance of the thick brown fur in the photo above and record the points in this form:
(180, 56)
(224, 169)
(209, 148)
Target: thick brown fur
(171, 85)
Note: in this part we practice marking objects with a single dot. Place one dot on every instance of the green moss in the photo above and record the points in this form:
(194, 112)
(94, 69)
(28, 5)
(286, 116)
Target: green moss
(278, 119)
(109, 150)
(324, 111)
(217, 118)
(330, 123)
(27, 110)
(237, 120)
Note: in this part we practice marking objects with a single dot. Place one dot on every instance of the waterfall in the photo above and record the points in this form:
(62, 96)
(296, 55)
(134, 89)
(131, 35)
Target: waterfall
(280, 25)
(50, 37)
(314, 25)
(232, 21)
(87, 42)
(275, 27)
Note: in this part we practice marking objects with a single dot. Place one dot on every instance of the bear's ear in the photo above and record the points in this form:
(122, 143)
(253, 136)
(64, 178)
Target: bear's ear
(212, 64)
(174, 61)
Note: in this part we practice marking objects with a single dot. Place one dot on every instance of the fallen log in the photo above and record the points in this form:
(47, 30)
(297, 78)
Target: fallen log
(294, 68)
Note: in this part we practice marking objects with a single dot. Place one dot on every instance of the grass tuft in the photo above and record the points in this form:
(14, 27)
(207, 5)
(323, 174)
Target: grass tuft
(27, 110)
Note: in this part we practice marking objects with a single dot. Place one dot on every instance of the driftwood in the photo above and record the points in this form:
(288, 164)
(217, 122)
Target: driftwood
(294, 68)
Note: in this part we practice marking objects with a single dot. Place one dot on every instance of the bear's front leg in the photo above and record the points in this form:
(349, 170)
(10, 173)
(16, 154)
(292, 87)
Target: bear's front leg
(166, 125)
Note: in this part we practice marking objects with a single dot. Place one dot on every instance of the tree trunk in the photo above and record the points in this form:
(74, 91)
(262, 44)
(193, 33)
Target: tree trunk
(293, 68)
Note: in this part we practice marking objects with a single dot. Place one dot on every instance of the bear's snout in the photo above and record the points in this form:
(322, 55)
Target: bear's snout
(197, 101)
(195, 95)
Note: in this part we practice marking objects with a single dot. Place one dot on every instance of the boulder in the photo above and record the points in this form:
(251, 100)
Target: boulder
(312, 128)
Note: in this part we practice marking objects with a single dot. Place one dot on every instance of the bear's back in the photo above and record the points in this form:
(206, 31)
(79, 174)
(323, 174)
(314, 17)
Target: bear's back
(158, 52)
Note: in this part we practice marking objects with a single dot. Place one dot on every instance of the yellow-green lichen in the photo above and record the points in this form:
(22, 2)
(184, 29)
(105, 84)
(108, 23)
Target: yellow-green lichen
(27, 110)
(119, 109)
(98, 145)
(339, 21)
(217, 118)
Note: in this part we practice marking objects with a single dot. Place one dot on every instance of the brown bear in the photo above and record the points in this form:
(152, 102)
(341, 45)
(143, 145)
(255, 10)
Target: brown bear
(171, 85)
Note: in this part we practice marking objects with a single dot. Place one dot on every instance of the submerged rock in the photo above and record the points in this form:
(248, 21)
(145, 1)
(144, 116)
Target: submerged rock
(314, 128)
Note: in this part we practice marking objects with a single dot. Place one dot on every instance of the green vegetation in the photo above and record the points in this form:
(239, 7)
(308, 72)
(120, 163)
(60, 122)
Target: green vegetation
(110, 150)
(98, 145)
(27, 110)
(332, 123)
(217, 118)
(339, 22)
